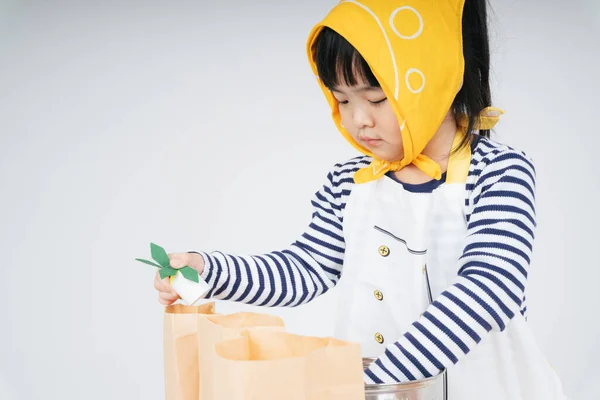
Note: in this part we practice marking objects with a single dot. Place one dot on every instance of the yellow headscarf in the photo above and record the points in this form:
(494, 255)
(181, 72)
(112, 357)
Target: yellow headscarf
(414, 49)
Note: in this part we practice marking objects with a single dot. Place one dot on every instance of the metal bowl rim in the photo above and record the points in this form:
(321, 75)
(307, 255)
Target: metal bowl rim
(423, 382)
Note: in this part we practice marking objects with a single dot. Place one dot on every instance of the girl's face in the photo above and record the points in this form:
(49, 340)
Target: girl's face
(368, 116)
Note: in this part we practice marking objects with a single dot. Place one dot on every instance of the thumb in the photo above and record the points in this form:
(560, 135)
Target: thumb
(178, 260)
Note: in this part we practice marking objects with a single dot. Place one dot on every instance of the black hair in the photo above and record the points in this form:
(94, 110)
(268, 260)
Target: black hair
(338, 62)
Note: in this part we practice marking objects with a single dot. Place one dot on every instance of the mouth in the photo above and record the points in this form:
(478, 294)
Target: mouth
(369, 141)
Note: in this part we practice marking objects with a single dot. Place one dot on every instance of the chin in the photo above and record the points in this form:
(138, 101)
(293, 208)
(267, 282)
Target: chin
(382, 155)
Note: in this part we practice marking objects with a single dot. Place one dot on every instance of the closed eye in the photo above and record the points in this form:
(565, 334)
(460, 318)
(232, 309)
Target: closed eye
(378, 101)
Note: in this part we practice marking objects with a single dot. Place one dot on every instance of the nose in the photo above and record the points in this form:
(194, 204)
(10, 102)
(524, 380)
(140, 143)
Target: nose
(362, 118)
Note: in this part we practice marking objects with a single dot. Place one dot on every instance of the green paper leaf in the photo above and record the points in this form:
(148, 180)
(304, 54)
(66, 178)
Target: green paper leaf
(148, 262)
(167, 271)
(160, 255)
(189, 273)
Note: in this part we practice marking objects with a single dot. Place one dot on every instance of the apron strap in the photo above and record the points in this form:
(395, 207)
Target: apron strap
(460, 161)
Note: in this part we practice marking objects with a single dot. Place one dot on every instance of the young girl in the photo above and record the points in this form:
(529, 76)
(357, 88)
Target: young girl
(428, 234)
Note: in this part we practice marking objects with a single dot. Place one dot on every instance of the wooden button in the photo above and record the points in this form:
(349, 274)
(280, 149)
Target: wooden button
(378, 295)
(379, 338)
(384, 251)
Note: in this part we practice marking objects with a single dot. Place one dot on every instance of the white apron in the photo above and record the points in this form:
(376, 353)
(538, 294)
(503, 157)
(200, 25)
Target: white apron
(397, 241)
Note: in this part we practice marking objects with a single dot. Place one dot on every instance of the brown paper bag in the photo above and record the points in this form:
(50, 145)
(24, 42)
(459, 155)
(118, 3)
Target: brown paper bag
(216, 328)
(278, 365)
(180, 349)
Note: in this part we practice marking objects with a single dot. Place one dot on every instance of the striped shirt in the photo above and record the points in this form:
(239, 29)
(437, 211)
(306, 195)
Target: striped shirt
(488, 292)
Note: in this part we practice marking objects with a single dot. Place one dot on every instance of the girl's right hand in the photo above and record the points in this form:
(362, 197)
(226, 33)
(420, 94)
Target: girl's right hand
(166, 293)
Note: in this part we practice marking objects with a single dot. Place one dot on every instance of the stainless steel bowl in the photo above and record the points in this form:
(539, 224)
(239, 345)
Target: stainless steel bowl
(424, 389)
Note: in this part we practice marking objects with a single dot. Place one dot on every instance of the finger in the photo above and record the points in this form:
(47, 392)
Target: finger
(168, 297)
(165, 302)
(157, 283)
(167, 287)
(162, 285)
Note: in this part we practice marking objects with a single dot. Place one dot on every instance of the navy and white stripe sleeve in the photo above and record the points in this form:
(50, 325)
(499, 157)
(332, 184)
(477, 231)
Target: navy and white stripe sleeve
(490, 287)
(306, 269)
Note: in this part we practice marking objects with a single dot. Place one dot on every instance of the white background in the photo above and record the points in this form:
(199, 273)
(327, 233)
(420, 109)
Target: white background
(199, 125)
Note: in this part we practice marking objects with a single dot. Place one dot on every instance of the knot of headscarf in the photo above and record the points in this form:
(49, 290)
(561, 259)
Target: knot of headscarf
(487, 119)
